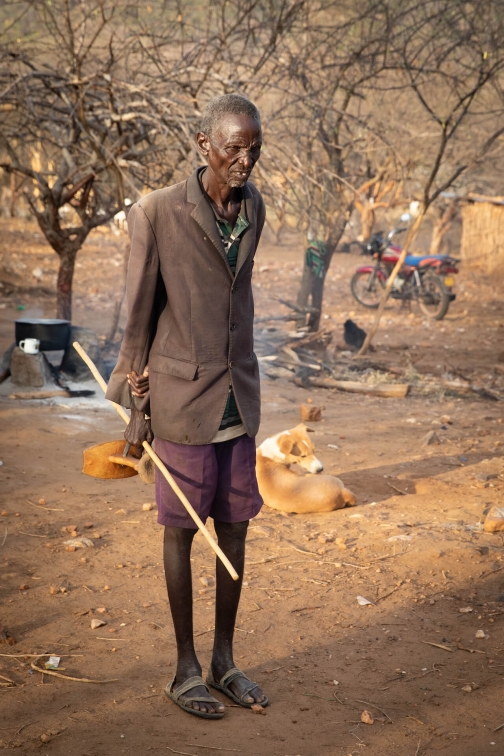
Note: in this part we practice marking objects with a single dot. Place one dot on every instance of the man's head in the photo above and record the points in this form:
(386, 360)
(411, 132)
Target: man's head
(230, 139)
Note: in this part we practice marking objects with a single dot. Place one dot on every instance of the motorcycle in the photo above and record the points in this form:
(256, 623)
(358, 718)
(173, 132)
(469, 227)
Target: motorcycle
(427, 279)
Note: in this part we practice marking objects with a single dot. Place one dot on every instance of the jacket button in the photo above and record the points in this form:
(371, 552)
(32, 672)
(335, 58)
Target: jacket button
(230, 365)
(232, 327)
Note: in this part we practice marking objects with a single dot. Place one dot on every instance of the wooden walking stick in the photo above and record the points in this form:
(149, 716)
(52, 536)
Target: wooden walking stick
(159, 464)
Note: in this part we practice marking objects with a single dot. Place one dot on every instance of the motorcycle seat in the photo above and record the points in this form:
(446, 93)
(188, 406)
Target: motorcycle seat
(421, 261)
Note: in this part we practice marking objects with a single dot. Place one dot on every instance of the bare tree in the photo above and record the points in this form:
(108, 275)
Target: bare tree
(323, 75)
(450, 58)
(100, 104)
(82, 131)
(444, 213)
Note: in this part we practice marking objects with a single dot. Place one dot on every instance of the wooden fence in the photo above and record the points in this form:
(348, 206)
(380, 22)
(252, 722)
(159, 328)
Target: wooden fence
(482, 241)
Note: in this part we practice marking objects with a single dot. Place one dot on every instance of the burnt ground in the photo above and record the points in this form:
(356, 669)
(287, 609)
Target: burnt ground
(413, 546)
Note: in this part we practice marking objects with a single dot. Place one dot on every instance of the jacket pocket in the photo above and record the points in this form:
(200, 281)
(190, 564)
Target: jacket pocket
(159, 363)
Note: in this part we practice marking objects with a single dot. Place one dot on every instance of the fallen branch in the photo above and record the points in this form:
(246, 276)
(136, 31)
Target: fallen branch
(268, 318)
(34, 666)
(35, 656)
(491, 572)
(385, 595)
(47, 509)
(396, 390)
(465, 386)
(309, 338)
(306, 608)
(404, 493)
(438, 645)
(300, 310)
(213, 748)
(38, 394)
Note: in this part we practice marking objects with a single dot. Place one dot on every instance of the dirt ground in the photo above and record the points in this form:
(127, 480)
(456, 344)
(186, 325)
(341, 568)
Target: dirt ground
(413, 546)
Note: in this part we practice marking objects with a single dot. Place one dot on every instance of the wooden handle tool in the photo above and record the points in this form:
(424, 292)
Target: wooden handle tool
(159, 464)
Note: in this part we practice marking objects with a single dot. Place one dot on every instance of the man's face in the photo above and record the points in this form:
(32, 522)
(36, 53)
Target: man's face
(233, 149)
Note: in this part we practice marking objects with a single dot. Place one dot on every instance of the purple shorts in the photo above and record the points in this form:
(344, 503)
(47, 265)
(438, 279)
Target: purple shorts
(218, 479)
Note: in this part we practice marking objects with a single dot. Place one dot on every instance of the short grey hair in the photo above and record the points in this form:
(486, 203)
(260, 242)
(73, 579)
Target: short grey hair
(229, 104)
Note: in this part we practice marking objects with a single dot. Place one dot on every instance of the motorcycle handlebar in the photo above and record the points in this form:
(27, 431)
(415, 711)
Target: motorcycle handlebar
(396, 231)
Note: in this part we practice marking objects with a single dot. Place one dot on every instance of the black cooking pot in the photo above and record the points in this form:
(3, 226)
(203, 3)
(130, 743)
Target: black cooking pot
(52, 334)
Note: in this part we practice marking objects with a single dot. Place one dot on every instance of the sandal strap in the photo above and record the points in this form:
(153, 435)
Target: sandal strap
(231, 674)
(190, 683)
(234, 674)
(209, 700)
(248, 690)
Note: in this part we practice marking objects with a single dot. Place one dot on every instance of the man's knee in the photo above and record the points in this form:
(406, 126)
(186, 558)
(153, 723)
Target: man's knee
(231, 530)
(178, 536)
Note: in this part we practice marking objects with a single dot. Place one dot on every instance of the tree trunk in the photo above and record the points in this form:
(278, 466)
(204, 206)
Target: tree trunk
(312, 286)
(13, 195)
(119, 301)
(367, 221)
(441, 226)
(64, 284)
(437, 238)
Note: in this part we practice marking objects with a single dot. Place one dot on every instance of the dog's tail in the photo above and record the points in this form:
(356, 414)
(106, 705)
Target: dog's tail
(348, 497)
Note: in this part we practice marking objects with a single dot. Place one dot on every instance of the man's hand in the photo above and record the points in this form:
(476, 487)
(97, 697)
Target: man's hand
(139, 383)
(138, 429)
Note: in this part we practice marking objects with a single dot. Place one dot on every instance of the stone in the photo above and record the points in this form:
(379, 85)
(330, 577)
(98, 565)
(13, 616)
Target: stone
(30, 369)
(430, 438)
(494, 522)
(366, 717)
(7, 357)
(72, 364)
(310, 412)
(96, 623)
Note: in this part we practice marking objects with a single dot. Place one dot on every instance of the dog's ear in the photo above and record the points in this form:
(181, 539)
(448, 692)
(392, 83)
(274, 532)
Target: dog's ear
(285, 444)
(302, 427)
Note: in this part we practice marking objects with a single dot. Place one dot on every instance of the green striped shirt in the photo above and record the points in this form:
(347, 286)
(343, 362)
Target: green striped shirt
(231, 238)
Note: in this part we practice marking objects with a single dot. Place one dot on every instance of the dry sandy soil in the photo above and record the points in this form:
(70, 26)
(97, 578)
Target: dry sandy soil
(413, 546)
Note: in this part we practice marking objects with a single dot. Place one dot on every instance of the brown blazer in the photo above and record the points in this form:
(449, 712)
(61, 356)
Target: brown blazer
(189, 318)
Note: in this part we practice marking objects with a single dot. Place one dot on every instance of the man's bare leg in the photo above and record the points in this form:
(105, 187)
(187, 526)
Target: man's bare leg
(177, 565)
(231, 537)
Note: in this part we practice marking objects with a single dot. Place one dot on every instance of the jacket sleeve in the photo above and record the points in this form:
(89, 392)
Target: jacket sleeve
(144, 290)
(261, 217)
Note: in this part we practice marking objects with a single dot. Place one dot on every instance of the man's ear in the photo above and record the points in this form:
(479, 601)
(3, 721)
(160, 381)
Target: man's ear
(285, 444)
(203, 143)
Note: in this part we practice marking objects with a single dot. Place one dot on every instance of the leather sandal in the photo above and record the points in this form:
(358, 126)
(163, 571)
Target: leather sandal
(227, 679)
(178, 693)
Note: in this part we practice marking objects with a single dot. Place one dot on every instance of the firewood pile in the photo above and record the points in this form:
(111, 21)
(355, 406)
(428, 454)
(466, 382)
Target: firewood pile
(312, 359)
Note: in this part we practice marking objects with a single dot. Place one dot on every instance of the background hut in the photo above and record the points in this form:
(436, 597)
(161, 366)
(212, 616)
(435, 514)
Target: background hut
(482, 241)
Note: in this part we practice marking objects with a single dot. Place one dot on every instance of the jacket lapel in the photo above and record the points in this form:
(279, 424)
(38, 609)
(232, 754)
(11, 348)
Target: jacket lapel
(204, 215)
(205, 218)
(247, 243)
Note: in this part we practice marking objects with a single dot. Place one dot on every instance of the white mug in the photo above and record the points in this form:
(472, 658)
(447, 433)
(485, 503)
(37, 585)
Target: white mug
(30, 346)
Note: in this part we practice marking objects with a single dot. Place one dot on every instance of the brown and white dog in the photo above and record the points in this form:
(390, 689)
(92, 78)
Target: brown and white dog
(283, 489)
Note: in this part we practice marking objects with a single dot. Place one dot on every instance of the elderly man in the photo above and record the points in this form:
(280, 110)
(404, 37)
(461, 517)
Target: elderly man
(187, 366)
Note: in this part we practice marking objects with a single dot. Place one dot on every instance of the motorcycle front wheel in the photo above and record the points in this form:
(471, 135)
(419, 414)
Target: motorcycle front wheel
(433, 297)
(367, 288)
